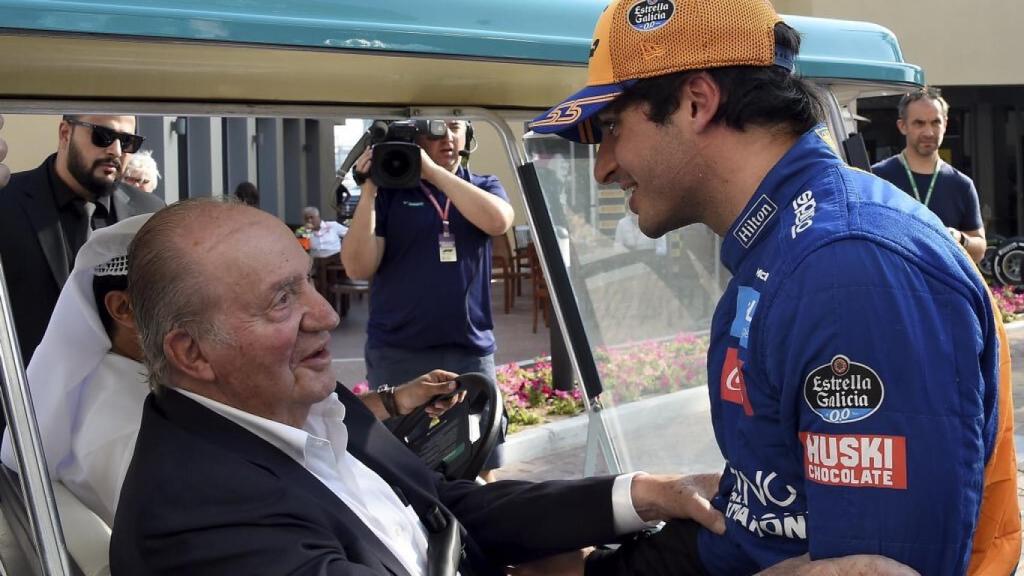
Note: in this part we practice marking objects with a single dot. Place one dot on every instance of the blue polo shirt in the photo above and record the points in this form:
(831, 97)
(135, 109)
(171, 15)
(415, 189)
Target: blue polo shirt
(417, 301)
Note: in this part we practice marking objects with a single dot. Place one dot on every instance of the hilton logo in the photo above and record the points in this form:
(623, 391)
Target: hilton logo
(755, 220)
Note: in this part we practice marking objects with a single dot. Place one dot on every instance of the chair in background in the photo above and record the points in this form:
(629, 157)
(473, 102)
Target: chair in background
(541, 296)
(503, 267)
(343, 290)
(521, 235)
(328, 272)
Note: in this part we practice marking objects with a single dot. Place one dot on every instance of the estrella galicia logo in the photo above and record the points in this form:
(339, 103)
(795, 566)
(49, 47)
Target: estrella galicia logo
(755, 220)
(843, 391)
(746, 302)
(647, 15)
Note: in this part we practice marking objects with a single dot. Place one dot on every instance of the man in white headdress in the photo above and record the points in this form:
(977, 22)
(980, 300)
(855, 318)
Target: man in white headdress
(86, 378)
(88, 382)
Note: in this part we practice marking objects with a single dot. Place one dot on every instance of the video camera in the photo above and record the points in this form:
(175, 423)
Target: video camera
(396, 157)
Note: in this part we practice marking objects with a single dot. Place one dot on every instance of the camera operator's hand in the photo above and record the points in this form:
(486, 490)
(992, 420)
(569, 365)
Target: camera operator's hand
(430, 171)
(361, 171)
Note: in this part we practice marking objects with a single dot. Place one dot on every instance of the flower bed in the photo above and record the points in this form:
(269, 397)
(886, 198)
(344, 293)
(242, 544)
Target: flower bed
(1010, 300)
(529, 397)
(628, 373)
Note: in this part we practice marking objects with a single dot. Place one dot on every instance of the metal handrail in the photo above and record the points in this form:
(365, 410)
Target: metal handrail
(24, 434)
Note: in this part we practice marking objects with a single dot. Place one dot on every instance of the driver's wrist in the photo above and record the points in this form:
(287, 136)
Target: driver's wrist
(388, 400)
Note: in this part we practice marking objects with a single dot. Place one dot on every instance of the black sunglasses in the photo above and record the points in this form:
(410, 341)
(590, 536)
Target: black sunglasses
(103, 137)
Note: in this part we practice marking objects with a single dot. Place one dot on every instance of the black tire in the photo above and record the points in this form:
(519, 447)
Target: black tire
(1008, 262)
(986, 266)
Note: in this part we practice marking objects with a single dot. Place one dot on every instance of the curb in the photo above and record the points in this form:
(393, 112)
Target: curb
(1014, 326)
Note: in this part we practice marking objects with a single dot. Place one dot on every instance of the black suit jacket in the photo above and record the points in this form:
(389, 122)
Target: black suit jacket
(205, 496)
(32, 246)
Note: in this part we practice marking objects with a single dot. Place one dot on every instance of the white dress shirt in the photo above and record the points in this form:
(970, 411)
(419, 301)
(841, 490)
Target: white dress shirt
(321, 448)
(327, 240)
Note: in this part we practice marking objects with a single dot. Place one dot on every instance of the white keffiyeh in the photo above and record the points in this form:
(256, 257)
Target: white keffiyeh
(72, 350)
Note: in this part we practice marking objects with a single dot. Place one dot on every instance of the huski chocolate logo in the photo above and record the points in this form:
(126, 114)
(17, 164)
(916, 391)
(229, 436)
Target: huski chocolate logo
(843, 391)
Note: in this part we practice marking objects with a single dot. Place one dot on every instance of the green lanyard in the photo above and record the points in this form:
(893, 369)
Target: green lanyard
(913, 182)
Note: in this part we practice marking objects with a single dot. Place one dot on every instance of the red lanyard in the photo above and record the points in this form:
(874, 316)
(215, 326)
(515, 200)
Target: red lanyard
(442, 213)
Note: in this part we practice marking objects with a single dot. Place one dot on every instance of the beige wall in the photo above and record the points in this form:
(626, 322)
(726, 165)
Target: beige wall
(491, 158)
(30, 139)
(957, 42)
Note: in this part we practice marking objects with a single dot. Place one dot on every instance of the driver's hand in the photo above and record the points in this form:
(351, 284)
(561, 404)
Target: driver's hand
(5, 172)
(421, 390)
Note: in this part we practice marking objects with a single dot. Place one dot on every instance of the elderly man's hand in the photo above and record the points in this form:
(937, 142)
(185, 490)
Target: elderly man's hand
(419, 391)
(857, 565)
(5, 172)
(664, 497)
(567, 564)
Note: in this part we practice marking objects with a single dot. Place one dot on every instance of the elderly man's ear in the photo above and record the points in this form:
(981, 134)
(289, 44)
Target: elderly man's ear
(185, 354)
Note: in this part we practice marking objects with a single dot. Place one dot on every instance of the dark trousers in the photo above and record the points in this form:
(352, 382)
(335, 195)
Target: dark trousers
(672, 551)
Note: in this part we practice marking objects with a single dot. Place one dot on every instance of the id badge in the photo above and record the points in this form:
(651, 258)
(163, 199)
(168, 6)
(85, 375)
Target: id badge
(447, 245)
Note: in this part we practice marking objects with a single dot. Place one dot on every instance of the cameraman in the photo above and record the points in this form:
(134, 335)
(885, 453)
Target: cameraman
(427, 252)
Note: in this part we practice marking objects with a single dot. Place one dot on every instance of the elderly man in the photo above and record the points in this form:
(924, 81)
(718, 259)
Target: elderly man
(858, 391)
(88, 382)
(249, 462)
(141, 171)
(47, 213)
(324, 236)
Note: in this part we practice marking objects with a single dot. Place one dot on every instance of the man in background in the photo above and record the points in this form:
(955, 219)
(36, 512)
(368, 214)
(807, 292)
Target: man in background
(141, 171)
(920, 172)
(324, 236)
(426, 251)
(248, 194)
(47, 214)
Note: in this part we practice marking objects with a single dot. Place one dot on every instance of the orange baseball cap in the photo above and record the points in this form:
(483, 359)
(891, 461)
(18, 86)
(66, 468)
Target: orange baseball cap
(637, 39)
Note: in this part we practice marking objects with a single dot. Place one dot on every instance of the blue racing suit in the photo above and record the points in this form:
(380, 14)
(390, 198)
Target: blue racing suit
(853, 375)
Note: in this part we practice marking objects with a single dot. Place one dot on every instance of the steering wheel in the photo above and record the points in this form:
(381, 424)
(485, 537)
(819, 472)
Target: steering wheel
(458, 443)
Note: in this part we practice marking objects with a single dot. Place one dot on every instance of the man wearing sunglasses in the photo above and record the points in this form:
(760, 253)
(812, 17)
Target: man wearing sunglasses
(47, 213)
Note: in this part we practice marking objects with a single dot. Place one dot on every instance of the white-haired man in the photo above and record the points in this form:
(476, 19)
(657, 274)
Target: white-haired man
(250, 462)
